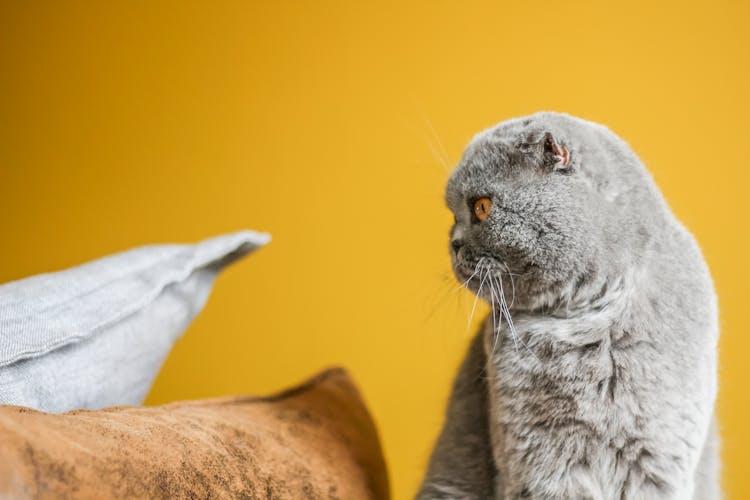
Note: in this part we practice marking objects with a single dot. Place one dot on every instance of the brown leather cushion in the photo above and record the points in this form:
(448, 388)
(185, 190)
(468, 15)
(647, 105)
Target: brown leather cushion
(313, 441)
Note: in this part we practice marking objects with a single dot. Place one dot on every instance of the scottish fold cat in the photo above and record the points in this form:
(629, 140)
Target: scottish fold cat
(595, 375)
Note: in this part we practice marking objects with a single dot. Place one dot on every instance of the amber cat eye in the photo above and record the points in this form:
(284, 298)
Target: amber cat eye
(482, 208)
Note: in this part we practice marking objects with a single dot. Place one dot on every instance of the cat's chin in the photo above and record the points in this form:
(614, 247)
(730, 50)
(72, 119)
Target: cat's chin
(490, 283)
(467, 275)
(476, 281)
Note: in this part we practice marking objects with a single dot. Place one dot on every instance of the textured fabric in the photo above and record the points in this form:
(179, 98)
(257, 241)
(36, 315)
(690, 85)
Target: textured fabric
(316, 441)
(96, 335)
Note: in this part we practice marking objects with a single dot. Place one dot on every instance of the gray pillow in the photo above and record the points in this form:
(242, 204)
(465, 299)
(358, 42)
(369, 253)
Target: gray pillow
(96, 335)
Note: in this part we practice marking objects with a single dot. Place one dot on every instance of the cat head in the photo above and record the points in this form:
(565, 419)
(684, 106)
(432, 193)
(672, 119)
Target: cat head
(535, 201)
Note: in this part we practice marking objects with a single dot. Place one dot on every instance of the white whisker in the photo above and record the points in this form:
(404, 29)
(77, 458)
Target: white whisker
(476, 296)
(495, 326)
(442, 153)
(511, 326)
(504, 312)
(512, 284)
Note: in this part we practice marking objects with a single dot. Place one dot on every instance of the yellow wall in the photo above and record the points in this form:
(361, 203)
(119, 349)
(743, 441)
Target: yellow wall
(333, 125)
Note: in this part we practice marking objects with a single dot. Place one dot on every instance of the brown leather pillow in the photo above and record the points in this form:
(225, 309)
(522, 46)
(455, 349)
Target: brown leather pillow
(316, 440)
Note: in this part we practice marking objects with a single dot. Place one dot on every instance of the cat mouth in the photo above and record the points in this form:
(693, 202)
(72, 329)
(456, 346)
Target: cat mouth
(488, 278)
(474, 275)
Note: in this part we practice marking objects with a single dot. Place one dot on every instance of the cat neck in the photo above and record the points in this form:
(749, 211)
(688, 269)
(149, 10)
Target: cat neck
(581, 314)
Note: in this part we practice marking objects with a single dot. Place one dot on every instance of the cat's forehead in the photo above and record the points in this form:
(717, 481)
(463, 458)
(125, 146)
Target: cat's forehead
(489, 160)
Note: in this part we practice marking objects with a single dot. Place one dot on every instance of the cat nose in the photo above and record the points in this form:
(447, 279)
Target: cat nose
(456, 245)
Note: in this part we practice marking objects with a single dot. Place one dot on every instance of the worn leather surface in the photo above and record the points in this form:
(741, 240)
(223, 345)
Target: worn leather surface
(316, 440)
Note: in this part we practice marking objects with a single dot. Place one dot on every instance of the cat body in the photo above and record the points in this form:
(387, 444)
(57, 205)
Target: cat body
(595, 375)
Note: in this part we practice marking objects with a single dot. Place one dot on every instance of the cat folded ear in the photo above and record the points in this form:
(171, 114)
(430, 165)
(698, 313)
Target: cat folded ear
(556, 155)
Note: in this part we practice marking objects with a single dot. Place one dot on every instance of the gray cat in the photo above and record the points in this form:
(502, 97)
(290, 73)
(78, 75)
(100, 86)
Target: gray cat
(595, 375)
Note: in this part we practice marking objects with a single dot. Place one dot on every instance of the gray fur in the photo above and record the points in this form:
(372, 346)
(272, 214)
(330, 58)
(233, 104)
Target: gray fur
(603, 386)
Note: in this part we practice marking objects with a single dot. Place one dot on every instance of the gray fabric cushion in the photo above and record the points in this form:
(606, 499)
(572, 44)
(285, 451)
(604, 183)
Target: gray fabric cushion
(96, 335)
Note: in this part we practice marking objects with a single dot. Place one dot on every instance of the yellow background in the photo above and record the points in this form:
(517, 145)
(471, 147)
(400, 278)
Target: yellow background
(333, 125)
